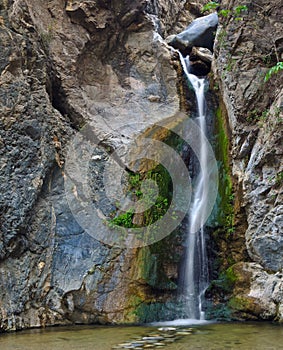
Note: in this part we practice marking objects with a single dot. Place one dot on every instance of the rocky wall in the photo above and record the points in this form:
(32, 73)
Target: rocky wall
(248, 44)
(65, 65)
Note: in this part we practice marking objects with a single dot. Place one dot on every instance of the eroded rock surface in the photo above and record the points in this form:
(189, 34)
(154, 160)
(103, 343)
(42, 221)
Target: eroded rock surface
(65, 64)
(245, 50)
(68, 63)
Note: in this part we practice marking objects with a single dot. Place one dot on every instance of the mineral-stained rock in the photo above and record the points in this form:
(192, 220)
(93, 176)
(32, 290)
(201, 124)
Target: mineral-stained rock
(65, 64)
(257, 293)
(68, 64)
(245, 50)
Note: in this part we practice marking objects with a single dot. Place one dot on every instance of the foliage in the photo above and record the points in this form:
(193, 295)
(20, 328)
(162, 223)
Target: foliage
(212, 5)
(225, 281)
(157, 206)
(236, 12)
(224, 13)
(124, 220)
(255, 115)
(279, 179)
(273, 70)
(261, 117)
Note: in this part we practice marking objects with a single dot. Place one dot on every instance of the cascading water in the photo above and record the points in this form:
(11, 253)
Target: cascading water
(195, 272)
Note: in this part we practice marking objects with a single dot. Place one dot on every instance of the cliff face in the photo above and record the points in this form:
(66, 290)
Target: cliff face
(65, 64)
(68, 63)
(245, 49)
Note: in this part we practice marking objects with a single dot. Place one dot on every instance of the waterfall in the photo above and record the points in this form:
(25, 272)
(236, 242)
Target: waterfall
(195, 271)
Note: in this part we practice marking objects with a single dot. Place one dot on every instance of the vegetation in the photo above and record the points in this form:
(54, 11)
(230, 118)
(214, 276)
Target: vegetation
(157, 209)
(125, 219)
(261, 117)
(273, 70)
(279, 179)
(225, 281)
(226, 197)
(236, 12)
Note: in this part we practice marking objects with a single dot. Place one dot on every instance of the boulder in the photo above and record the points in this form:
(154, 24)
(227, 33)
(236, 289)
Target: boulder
(201, 53)
(200, 61)
(200, 32)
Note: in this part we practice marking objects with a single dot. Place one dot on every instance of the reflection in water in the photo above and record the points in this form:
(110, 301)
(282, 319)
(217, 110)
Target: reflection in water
(233, 336)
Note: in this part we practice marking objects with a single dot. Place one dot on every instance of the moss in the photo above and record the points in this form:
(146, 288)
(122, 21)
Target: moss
(238, 303)
(124, 220)
(225, 200)
(225, 282)
(219, 312)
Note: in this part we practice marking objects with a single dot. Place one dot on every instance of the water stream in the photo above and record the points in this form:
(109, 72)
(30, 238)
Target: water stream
(195, 272)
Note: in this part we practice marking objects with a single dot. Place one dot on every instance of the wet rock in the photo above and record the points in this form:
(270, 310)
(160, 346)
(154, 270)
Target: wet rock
(257, 293)
(64, 64)
(199, 68)
(201, 53)
(255, 123)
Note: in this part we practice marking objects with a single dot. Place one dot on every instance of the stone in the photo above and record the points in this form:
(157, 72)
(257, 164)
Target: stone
(199, 68)
(64, 65)
(254, 118)
(201, 53)
(200, 32)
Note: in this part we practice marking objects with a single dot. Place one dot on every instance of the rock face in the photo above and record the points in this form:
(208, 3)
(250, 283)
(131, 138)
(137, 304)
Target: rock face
(245, 50)
(67, 64)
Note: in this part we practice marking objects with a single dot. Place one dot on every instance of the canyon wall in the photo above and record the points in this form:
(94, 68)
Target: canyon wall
(248, 44)
(68, 64)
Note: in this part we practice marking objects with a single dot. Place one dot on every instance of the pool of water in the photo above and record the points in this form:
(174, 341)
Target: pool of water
(213, 336)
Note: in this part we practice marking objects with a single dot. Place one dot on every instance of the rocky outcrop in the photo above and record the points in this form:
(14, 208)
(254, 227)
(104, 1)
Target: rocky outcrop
(66, 64)
(69, 64)
(200, 32)
(247, 45)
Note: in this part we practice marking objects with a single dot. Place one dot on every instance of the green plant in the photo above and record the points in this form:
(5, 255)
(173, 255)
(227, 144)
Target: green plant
(47, 36)
(237, 11)
(273, 70)
(230, 64)
(256, 116)
(221, 37)
(124, 220)
(134, 179)
(279, 179)
(212, 5)
(224, 13)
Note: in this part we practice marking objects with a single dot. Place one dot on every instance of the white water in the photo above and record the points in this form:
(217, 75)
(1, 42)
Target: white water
(195, 275)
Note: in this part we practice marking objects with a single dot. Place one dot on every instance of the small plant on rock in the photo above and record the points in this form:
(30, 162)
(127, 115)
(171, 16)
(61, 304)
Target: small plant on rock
(273, 70)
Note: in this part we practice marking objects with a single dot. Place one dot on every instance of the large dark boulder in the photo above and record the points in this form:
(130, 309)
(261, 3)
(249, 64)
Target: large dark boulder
(200, 32)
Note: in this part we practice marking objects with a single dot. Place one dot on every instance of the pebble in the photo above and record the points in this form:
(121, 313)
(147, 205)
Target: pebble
(167, 329)
(97, 157)
(183, 333)
(153, 338)
(156, 340)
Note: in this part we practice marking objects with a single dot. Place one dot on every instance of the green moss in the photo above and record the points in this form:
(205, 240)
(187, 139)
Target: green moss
(124, 220)
(219, 312)
(238, 303)
(225, 282)
(225, 200)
